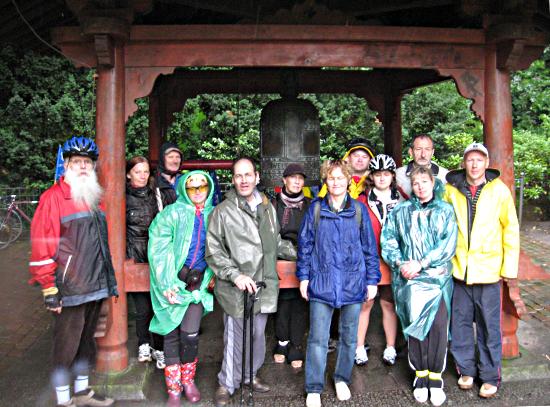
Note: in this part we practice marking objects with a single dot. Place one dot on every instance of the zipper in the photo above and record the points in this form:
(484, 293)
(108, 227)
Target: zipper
(198, 243)
(66, 268)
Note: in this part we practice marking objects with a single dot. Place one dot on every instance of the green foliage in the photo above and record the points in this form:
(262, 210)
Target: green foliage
(44, 100)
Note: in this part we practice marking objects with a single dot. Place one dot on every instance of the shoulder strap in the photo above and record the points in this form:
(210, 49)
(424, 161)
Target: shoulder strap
(358, 213)
(316, 213)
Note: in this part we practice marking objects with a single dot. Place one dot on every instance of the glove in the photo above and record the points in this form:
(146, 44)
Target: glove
(52, 298)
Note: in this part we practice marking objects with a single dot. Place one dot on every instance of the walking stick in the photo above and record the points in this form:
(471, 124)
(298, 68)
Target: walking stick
(248, 317)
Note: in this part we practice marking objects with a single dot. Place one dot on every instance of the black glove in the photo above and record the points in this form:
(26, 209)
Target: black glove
(52, 301)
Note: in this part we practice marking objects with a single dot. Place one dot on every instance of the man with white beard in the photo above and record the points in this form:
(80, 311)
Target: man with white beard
(70, 260)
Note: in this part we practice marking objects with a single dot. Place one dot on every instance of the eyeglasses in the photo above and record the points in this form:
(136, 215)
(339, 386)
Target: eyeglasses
(197, 190)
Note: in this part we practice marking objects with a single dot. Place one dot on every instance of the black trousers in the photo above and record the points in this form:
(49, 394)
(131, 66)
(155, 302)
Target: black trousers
(144, 314)
(431, 353)
(178, 346)
(290, 325)
(74, 347)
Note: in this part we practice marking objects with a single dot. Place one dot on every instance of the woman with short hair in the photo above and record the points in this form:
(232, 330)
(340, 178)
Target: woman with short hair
(338, 268)
(418, 242)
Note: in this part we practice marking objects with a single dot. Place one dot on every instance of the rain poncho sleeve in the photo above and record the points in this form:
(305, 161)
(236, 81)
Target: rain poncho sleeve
(426, 234)
(170, 236)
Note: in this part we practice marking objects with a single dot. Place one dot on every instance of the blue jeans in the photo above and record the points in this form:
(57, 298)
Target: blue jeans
(320, 315)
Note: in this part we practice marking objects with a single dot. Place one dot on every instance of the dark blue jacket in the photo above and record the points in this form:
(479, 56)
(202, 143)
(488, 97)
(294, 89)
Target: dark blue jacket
(338, 259)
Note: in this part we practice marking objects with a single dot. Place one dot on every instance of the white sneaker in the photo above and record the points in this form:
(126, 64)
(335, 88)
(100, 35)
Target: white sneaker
(144, 353)
(342, 391)
(158, 355)
(361, 357)
(437, 396)
(421, 394)
(313, 400)
(389, 356)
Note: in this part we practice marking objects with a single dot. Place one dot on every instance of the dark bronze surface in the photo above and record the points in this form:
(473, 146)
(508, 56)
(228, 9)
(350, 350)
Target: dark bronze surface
(289, 134)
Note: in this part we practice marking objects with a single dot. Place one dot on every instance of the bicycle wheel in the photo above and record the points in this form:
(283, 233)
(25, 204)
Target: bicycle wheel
(11, 227)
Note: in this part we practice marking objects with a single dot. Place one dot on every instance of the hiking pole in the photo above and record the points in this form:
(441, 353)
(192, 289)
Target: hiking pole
(243, 352)
(253, 298)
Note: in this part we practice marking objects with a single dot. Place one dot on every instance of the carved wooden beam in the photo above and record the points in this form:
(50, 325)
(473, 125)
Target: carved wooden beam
(104, 50)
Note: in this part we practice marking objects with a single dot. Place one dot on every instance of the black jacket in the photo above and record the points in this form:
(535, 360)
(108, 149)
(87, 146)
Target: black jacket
(141, 209)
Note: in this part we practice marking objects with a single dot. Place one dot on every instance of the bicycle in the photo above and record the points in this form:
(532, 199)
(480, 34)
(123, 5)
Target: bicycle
(11, 224)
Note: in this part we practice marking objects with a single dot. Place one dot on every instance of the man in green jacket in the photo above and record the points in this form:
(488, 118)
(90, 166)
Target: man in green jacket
(241, 248)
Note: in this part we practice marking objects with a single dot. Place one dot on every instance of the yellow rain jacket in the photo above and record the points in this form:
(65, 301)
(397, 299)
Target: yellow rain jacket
(488, 249)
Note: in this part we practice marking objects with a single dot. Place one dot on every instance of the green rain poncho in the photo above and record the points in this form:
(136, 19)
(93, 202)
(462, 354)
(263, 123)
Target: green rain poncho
(170, 236)
(428, 234)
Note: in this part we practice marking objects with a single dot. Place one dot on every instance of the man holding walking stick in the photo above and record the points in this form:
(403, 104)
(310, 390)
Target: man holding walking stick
(242, 245)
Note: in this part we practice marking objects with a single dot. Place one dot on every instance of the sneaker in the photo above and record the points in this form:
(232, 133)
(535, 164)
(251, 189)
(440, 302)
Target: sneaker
(361, 357)
(158, 355)
(437, 396)
(313, 400)
(342, 391)
(466, 382)
(421, 394)
(487, 390)
(144, 353)
(89, 398)
(389, 356)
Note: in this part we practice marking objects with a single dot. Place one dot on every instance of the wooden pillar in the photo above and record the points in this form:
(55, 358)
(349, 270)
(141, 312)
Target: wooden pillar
(497, 130)
(110, 124)
(154, 131)
(393, 137)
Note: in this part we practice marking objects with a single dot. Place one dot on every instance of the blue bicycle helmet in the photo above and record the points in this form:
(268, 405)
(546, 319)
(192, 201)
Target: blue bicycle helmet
(82, 146)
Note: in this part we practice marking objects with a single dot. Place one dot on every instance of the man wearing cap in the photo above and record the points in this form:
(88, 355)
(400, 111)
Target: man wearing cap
(358, 157)
(168, 173)
(290, 320)
(70, 260)
(487, 251)
(421, 152)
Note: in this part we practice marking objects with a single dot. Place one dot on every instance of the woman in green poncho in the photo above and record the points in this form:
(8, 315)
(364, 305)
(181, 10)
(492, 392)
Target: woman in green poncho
(418, 242)
(179, 281)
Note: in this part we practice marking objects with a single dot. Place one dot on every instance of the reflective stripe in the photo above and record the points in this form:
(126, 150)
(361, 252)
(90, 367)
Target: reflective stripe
(422, 373)
(434, 376)
(41, 262)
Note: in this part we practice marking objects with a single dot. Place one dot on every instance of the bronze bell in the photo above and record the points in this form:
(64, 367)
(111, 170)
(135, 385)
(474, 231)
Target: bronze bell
(289, 133)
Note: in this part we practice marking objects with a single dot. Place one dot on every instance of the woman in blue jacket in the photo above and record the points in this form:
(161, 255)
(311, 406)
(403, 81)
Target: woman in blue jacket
(338, 267)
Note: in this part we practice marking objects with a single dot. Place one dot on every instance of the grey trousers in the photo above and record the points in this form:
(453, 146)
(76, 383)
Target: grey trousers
(230, 374)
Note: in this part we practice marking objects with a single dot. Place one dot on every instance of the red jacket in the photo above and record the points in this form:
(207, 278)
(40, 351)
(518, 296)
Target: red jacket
(69, 248)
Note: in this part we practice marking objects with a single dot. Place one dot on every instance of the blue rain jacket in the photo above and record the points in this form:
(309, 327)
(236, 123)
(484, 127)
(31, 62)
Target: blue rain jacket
(426, 234)
(337, 257)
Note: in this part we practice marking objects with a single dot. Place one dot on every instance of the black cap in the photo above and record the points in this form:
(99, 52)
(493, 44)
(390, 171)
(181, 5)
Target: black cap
(293, 169)
(360, 143)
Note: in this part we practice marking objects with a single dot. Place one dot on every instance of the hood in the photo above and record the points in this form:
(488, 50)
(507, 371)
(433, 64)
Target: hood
(182, 193)
(165, 147)
(458, 177)
(439, 191)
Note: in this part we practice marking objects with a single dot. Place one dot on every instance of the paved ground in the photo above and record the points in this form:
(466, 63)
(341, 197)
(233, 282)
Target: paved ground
(25, 341)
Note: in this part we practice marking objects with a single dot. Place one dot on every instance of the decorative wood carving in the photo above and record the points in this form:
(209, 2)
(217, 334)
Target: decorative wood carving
(139, 83)
(471, 85)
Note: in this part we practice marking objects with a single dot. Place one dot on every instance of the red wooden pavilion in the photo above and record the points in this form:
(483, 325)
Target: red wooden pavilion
(136, 46)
